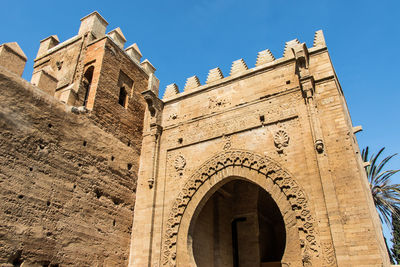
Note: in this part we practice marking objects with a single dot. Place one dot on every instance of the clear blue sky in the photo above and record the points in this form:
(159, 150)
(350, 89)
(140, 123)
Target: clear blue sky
(184, 38)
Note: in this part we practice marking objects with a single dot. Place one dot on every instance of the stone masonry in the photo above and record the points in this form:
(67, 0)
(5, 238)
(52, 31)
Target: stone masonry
(258, 168)
(283, 126)
(69, 149)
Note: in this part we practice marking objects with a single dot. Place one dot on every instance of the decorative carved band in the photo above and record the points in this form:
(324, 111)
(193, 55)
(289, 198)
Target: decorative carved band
(253, 162)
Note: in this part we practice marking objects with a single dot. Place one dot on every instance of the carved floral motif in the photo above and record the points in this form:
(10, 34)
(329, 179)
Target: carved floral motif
(329, 253)
(281, 140)
(284, 111)
(179, 164)
(227, 142)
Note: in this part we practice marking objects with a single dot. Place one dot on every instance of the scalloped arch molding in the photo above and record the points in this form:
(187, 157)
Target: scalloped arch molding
(261, 170)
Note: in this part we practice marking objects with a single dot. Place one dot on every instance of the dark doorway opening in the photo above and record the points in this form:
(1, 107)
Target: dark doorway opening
(87, 82)
(239, 225)
(122, 96)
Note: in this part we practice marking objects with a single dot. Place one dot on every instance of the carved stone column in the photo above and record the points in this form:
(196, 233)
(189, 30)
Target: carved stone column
(154, 105)
(143, 221)
(335, 240)
(308, 88)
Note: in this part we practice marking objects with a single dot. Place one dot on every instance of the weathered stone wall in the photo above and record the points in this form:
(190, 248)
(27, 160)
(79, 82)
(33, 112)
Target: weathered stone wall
(67, 186)
(63, 60)
(124, 123)
(354, 218)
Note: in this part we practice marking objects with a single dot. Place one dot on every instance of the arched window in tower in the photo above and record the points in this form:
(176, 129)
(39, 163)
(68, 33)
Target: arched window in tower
(125, 87)
(123, 95)
(86, 82)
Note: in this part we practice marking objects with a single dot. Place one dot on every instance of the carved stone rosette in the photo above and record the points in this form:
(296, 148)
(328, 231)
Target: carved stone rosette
(281, 140)
(253, 162)
(227, 142)
(180, 164)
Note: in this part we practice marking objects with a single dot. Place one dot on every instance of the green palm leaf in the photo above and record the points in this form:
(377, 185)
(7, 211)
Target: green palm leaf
(386, 195)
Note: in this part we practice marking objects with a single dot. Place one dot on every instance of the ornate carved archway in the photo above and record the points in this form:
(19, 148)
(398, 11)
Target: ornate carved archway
(290, 198)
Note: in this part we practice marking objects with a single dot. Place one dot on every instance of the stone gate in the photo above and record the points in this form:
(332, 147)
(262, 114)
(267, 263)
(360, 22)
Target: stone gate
(259, 168)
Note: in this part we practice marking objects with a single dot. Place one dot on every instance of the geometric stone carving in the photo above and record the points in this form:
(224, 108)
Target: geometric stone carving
(191, 83)
(227, 142)
(281, 140)
(214, 75)
(238, 66)
(319, 39)
(264, 57)
(226, 162)
(171, 90)
(329, 253)
(288, 51)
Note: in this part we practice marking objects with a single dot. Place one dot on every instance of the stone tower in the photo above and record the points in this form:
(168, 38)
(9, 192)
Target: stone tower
(259, 168)
(83, 70)
(70, 144)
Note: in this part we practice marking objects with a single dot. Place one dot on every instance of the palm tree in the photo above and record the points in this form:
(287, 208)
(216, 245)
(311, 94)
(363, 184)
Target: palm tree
(386, 195)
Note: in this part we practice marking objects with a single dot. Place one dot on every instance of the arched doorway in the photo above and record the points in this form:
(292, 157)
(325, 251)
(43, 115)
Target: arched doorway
(239, 225)
(301, 245)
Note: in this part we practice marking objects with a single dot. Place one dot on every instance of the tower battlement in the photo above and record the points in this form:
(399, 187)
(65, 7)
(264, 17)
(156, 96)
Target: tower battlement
(239, 68)
(68, 59)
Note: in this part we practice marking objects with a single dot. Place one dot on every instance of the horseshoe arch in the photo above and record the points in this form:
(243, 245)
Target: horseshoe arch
(302, 246)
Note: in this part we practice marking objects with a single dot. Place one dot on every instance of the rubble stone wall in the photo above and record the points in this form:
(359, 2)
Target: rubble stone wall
(68, 186)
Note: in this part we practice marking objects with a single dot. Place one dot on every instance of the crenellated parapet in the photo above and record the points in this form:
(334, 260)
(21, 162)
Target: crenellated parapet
(294, 50)
(93, 72)
(191, 83)
(287, 52)
(214, 75)
(264, 57)
(134, 52)
(238, 67)
(68, 70)
(12, 58)
(319, 39)
(118, 37)
(171, 91)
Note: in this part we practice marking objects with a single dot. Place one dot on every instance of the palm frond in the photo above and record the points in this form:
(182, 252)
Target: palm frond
(383, 163)
(385, 176)
(373, 166)
(386, 196)
(364, 154)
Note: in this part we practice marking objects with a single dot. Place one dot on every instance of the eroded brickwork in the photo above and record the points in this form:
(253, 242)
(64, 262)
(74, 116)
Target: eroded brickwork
(67, 186)
(106, 109)
(69, 150)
